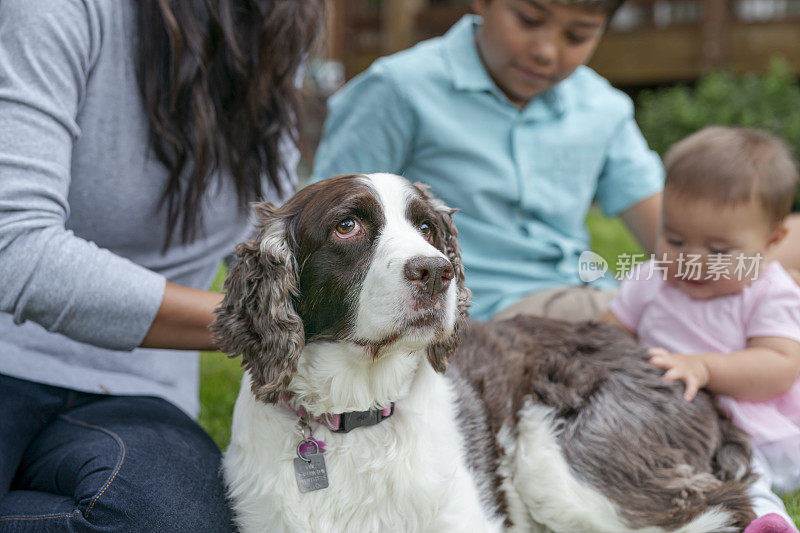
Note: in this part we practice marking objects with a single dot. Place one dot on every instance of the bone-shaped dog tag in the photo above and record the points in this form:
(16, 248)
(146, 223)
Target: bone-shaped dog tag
(311, 473)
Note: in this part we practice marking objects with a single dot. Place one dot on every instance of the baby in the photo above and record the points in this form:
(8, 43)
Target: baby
(713, 312)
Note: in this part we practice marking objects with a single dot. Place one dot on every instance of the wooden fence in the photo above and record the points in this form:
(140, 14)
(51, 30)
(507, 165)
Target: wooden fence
(649, 42)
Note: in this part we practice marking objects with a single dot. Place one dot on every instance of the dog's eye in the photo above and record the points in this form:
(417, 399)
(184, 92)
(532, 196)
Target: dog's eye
(347, 228)
(426, 230)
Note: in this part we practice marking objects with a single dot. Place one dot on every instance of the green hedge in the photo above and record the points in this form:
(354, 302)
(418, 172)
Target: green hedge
(770, 101)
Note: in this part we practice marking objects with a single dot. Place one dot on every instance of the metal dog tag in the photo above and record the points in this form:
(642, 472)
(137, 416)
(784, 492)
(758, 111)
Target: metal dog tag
(310, 472)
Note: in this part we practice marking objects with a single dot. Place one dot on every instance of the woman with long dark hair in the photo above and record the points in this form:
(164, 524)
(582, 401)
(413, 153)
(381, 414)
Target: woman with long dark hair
(133, 136)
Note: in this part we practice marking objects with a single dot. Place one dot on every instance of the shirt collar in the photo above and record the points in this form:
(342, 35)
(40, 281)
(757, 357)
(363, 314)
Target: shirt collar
(469, 73)
(466, 66)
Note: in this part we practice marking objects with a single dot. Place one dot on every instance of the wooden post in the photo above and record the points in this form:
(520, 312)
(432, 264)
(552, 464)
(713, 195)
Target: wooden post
(399, 17)
(716, 45)
(336, 28)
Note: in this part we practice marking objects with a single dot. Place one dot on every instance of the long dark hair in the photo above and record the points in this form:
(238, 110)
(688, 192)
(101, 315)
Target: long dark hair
(218, 80)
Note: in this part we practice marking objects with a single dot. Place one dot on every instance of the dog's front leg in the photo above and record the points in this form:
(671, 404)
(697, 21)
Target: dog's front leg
(463, 512)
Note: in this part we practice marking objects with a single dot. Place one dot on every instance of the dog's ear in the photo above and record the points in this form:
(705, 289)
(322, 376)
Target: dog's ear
(440, 352)
(257, 318)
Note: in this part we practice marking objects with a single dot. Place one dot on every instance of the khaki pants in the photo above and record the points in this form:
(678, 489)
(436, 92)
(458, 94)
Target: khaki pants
(564, 303)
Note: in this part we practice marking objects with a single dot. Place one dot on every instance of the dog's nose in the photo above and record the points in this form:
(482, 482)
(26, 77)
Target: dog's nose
(431, 275)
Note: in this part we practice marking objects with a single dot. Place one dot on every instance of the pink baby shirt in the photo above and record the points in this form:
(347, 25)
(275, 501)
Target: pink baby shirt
(663, 316)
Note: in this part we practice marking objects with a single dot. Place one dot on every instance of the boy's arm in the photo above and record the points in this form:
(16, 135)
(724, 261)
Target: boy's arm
(766, 369)
(610, 318)
(369, 128)
(642, 219)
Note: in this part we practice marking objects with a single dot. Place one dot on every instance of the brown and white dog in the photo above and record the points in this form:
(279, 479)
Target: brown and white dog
(345, 302)
(592, 439)
(348, 304)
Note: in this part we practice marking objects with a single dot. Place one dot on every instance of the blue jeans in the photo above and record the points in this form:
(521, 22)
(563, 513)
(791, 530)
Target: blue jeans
(73, 461)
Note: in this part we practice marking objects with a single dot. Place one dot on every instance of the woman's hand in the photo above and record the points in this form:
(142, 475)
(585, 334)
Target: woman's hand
(691, 369)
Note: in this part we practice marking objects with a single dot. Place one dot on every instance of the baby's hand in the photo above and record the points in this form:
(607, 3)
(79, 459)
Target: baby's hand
(690, 369)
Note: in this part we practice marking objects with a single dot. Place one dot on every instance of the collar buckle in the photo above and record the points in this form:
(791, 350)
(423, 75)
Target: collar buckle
(356, 419)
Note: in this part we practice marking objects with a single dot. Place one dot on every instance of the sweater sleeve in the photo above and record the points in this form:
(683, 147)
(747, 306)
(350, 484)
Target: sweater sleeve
(51, 276)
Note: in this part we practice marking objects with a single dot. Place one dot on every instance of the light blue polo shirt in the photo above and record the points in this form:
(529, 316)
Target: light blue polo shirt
(522, 179)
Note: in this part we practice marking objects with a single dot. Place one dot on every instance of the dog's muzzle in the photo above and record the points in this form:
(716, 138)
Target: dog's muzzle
(430, 275)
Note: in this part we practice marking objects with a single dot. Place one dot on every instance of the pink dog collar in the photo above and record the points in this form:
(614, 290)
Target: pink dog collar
(342, 422)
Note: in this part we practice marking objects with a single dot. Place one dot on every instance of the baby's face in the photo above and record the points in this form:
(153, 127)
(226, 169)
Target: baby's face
(712, 250)
(528, 46)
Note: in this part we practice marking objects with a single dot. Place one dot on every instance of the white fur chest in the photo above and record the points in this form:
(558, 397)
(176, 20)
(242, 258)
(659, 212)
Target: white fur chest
(403, 474)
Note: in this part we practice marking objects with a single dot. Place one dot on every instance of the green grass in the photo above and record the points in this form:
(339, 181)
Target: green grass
(220, 376)
(792, 502)
(219, 386)
(610, 238)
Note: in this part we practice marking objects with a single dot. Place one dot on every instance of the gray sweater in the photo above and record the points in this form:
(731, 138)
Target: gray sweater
(80, 230)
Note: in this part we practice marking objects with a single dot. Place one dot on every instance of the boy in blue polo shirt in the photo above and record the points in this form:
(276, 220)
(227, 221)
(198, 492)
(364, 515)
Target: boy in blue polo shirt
(500, 117)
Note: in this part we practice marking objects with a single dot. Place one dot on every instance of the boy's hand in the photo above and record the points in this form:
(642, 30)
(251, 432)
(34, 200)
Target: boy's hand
(691, 369)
